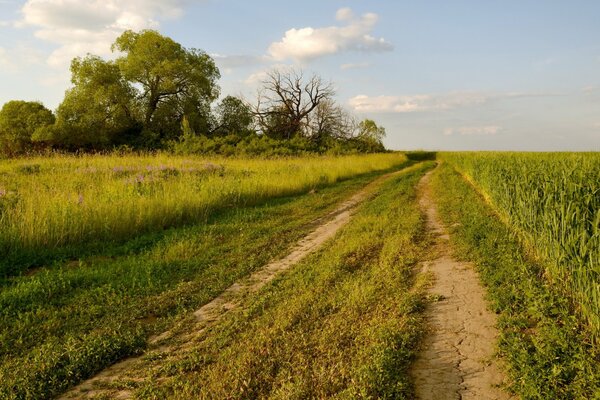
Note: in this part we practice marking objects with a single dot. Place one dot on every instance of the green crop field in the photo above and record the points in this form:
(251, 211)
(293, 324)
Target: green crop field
(530, 222)
(552, 201)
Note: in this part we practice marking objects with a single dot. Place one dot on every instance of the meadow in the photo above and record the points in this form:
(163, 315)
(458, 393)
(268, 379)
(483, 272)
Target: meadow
(93, 299)
(102, 252)
(55, 208)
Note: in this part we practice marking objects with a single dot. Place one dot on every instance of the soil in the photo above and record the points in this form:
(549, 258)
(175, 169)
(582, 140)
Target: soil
(457, 356)
(181, 337)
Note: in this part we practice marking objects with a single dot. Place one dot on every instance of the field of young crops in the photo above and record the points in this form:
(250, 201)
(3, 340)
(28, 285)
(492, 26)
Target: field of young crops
(552, 201)
(49, 207)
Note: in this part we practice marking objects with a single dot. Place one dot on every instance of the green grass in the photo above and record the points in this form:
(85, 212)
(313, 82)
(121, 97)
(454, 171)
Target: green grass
(70, 319)
(51, 208)
(344, 323)
(547, 346)
(552, 201)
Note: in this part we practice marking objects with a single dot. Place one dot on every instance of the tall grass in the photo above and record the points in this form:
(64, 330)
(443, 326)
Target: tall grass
(49, 203)
(553, 201)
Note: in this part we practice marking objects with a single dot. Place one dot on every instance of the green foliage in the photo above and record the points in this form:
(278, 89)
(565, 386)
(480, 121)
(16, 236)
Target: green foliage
(140, 101)
(369, 137)
(233, 117)
(548, 348)
(97, 112)
(19, 122)
(174, 81)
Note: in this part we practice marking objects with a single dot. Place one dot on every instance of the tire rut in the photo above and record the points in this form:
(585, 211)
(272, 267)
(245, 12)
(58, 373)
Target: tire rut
(457, 356)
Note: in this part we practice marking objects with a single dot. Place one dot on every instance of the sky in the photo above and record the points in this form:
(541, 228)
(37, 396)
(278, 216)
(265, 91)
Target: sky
(438, 75)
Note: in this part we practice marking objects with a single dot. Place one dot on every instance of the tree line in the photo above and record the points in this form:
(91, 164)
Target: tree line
(160, 95)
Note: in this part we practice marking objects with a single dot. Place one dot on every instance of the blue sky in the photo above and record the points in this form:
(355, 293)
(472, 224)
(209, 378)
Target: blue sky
(453, 75)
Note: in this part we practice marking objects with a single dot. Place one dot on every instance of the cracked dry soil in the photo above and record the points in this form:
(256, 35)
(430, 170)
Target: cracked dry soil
(457, 356)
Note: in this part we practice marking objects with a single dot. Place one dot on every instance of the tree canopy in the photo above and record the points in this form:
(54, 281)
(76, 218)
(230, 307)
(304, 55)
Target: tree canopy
(158, 94)
(19, 121)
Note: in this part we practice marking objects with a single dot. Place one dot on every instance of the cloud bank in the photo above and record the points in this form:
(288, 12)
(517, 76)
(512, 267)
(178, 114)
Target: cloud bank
(306, 44)
(416, 103)
(90, 26)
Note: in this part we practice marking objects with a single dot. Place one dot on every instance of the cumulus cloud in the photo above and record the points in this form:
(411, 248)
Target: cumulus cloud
(305, 44)
(473, 130)
(90, 26)
(415, 103)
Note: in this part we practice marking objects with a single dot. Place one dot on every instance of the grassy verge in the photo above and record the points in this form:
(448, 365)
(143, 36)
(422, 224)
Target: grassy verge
(547, 348)
(343, 323)
(71, 319)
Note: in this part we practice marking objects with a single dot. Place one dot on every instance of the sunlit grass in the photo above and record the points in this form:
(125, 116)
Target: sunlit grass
(49, 203)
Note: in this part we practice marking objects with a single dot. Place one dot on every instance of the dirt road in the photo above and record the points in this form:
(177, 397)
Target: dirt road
(175, 341)
(457, 357)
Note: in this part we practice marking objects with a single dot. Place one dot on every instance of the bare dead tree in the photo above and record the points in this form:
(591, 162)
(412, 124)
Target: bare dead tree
(287, 100)
(330, 120)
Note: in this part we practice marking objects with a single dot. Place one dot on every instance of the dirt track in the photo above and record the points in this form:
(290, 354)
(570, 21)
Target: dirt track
(103, 384)
(457, 357)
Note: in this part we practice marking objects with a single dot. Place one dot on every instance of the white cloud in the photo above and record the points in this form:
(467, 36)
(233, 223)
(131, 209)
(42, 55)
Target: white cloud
(355, 66)
(90, 26)
(415, 103)
(431, 102)
(473, 130)
(19, 57)
(344, 14)
(308, 43)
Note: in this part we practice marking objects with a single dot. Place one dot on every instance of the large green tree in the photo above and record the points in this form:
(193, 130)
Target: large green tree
(173, 81)
(233, 116)
(19, 120)
(98, 111)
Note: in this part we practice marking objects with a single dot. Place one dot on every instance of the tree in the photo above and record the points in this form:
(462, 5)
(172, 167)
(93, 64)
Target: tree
(173, 81)
(287, 100)
(19, 120)
(330, 121)
(97, 111)
(234, 116)
(370, 136)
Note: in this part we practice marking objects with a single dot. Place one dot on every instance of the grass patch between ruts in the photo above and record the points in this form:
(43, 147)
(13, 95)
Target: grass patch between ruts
(343, 323)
